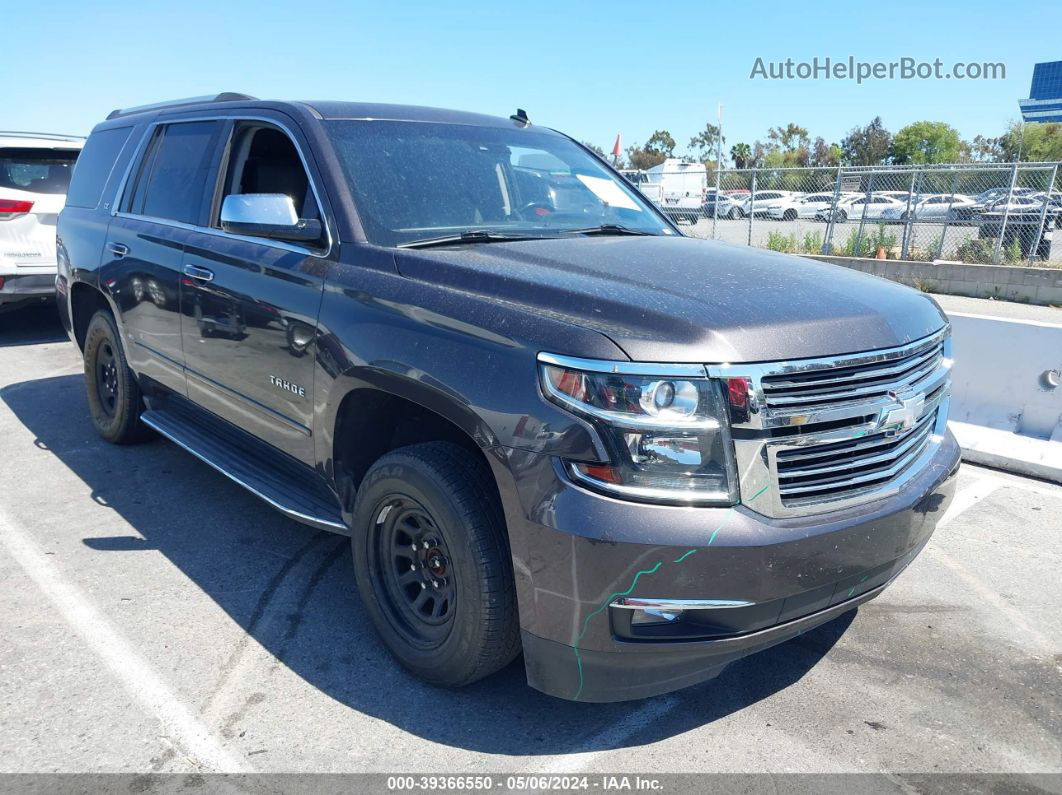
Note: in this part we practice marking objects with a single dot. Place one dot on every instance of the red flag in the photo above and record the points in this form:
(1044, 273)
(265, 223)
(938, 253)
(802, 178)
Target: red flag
(616, 148)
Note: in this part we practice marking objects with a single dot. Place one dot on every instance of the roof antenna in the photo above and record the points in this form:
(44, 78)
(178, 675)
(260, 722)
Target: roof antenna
(521, 116)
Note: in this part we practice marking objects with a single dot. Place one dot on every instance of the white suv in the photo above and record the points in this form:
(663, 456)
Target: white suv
(35, 171)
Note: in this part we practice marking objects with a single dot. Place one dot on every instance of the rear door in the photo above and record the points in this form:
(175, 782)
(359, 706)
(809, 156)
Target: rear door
(164, 197)
(249, 304)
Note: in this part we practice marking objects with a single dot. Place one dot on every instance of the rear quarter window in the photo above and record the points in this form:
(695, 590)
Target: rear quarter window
(94, 166)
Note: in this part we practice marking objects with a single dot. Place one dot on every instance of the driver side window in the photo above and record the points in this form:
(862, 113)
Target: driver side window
(263, 159)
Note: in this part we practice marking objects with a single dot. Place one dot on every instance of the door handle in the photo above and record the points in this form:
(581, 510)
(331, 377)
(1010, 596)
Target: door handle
(118, 249)
(203, 274)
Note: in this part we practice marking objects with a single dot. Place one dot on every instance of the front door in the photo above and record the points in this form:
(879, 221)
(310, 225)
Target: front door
(249, 306)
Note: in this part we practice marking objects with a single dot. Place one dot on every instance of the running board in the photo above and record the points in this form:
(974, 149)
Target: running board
(292, 492)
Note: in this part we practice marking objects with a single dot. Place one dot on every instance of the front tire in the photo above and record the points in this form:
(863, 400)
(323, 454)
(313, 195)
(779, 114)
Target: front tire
(114, 396)
(432, 563)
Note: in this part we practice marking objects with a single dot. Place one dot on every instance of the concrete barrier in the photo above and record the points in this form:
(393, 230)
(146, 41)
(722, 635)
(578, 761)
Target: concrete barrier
(1005, 410)
(1004, 282)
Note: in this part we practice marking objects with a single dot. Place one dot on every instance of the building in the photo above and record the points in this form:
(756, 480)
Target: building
(1045, 95)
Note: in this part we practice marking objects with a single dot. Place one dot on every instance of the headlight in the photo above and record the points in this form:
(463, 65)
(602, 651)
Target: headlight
(666, 435)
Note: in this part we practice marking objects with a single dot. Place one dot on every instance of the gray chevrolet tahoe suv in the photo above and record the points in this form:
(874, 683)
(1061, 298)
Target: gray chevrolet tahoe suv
(548, 421)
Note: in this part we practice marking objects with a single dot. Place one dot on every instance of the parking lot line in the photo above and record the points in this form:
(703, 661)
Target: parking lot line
(130, 667)
(968, 497)
(613, 736)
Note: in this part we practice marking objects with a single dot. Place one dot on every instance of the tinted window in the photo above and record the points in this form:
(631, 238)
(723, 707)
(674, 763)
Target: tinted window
(36, 170)
(174, 172)
(94, 166)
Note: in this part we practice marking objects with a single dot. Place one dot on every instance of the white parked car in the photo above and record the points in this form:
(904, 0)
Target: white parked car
(939, 207)
(790, 208)
(35, 171)
(757, 204)
(899, 195)
(873, 208)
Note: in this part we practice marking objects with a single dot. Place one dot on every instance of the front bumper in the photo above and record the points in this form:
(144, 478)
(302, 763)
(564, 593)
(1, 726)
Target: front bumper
(575, 553)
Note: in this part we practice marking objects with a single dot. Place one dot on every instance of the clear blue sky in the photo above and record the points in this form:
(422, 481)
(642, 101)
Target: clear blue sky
(590, 68)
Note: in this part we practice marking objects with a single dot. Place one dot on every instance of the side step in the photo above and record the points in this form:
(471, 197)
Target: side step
(292, 488)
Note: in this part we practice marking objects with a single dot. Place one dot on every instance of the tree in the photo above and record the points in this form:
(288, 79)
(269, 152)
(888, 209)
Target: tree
(786, 147)
(926, 142)
(984, 149)
(707, 142)
(825, 155)
(1031, 142)
(657, 149)
(741, 154)
(790, 138)
(594, 148)
(867, 146)
(662, 142)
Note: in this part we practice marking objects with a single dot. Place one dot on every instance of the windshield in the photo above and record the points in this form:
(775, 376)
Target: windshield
(413, 180)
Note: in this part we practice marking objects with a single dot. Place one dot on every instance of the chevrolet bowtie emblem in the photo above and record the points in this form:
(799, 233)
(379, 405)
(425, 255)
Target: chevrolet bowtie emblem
(902, 417)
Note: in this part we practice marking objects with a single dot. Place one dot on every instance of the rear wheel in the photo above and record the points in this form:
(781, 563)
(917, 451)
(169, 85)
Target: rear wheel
(432, 563)
(789, 215)
(735, 214)
(114, 396)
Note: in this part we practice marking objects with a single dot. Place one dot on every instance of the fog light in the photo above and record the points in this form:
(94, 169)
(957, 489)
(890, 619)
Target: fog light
(654, 615)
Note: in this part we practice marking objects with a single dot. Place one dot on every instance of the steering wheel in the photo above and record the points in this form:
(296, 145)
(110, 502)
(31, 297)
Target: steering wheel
(539, 209)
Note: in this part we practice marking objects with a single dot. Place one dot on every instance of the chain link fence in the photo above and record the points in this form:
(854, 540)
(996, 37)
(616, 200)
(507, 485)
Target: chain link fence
(977, 213)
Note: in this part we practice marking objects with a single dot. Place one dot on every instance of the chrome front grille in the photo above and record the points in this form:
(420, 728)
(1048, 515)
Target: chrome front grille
(824, 434)
(813, 388)
(843, 469)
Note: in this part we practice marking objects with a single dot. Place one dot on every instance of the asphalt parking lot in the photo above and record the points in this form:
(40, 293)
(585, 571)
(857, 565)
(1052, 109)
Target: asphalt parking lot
(157, 618)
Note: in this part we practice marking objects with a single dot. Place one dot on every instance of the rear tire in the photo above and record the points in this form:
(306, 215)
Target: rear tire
(446, 610)
(789, 215)
(114, 396)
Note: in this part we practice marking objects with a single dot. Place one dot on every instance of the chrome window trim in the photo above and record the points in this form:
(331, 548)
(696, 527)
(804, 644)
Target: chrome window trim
(138, 154)
(623, 368)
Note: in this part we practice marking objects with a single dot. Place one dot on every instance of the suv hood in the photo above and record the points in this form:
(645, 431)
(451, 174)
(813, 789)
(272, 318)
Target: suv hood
(678, 299)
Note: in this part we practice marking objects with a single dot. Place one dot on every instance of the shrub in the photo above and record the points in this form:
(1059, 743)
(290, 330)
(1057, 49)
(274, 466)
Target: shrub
(776, 241)
(812, 242)
(883, 239)
(859, 247)
(977, 250)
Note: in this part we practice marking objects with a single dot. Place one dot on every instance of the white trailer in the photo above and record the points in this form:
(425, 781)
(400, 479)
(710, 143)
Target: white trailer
(683, 187)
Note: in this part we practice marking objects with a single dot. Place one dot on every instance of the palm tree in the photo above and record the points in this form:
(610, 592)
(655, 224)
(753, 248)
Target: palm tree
(741, 154)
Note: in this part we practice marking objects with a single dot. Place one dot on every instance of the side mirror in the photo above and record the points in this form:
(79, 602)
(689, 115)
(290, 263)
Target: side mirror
(270, 215)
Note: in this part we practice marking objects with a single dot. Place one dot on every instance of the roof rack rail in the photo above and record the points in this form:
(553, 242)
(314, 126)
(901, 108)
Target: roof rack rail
(224, 96)
(49, 136)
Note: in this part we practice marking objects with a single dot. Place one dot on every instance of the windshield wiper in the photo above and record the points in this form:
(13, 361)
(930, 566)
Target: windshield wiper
(469, 236)
(607, 229)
